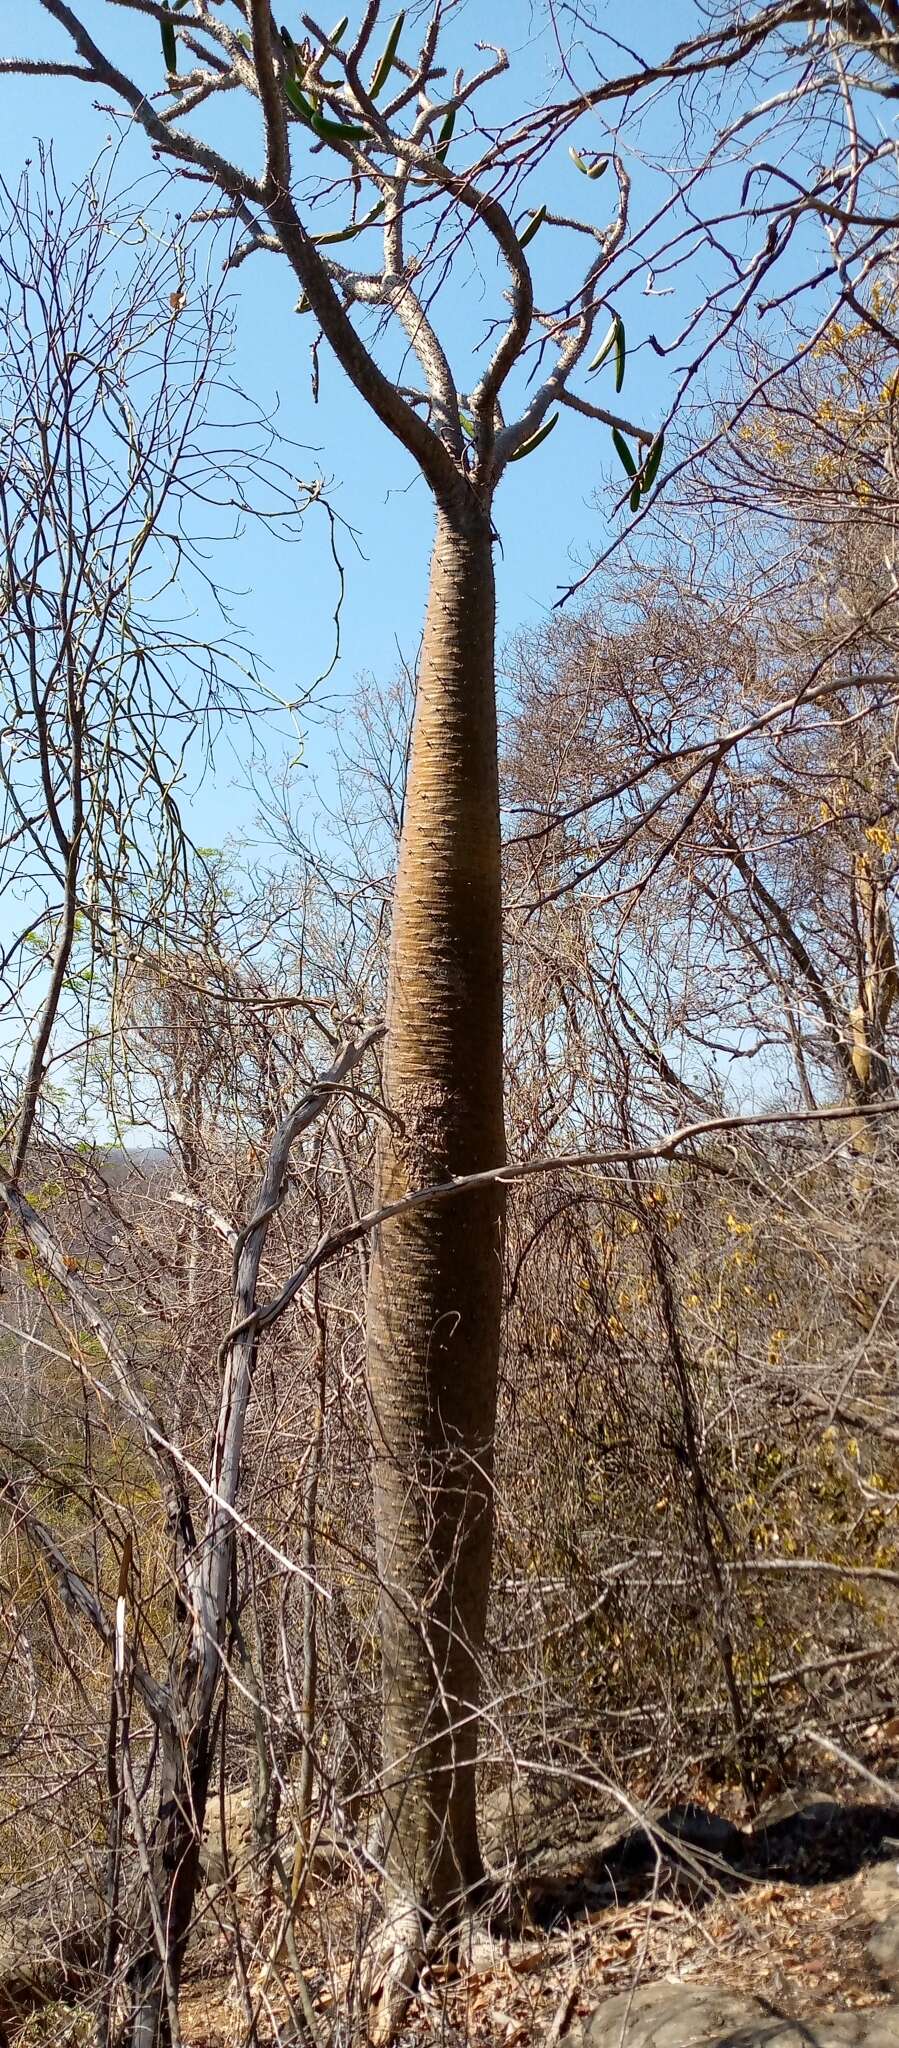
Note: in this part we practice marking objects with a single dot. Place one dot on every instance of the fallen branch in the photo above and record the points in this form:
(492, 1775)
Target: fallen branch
(852, 1414)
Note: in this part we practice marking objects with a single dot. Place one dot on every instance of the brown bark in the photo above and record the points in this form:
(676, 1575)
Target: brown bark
(435, 1294)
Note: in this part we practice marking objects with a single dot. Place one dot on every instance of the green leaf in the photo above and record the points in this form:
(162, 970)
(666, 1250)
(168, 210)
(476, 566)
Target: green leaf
(337, 32)
(636, 495)
(384, 68)
(446, 135)
(355, 227)
(653, 461)
(620, 355)
(527, 447)
(468, 424)
(338, 131)
(298, 101)
(529, 233)
(615, 339)
(169, 45)
(589, 170)
(623, 452)
(605, 349)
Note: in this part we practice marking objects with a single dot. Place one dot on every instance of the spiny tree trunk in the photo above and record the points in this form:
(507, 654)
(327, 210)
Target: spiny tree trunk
(435, 1294)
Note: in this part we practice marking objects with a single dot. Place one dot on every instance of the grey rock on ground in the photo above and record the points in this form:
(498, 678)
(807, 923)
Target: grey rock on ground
(48, 1945)
(670, 2015)
(878, 1903)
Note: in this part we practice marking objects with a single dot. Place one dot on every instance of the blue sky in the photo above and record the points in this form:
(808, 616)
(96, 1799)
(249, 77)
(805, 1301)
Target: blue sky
(554, 512)
(544, 512)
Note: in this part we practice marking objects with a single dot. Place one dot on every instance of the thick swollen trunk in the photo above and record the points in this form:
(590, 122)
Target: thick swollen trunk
(435, 1294)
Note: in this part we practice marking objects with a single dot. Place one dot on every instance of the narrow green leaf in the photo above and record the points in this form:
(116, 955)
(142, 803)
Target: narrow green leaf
(384, 68)
(636, 495)
(298, 101)
(623, 452)
(337, 32)
(446, 135)
(527, 447)
(620, 355)
(531, 230)
(468, 424)
(653, 461)
(606, 348)
(338, 131)
(589, 170)
(169, 45)
(355, 227)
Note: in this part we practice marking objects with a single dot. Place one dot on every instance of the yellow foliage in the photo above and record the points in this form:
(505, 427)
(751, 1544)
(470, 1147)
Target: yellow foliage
(879, 836)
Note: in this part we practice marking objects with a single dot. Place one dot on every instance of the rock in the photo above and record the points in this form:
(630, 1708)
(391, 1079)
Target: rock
(670, 2015)
(528, 1817)
(878, 1904)
(786, 1805)
(817, 1835)
(565, 1862)
(709, 1833)
(45, 1955)
(507, 1815)
(883, 1949)
(238, 1835)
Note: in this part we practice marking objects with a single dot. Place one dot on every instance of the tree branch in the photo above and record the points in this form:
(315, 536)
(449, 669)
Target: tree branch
(78, 1598)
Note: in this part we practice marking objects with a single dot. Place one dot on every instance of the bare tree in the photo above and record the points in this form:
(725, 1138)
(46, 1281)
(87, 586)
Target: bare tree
(780, 198)
(111, 358)
(112, 370)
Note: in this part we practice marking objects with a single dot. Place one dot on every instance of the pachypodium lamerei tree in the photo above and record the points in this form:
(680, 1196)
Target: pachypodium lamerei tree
(371, 151)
